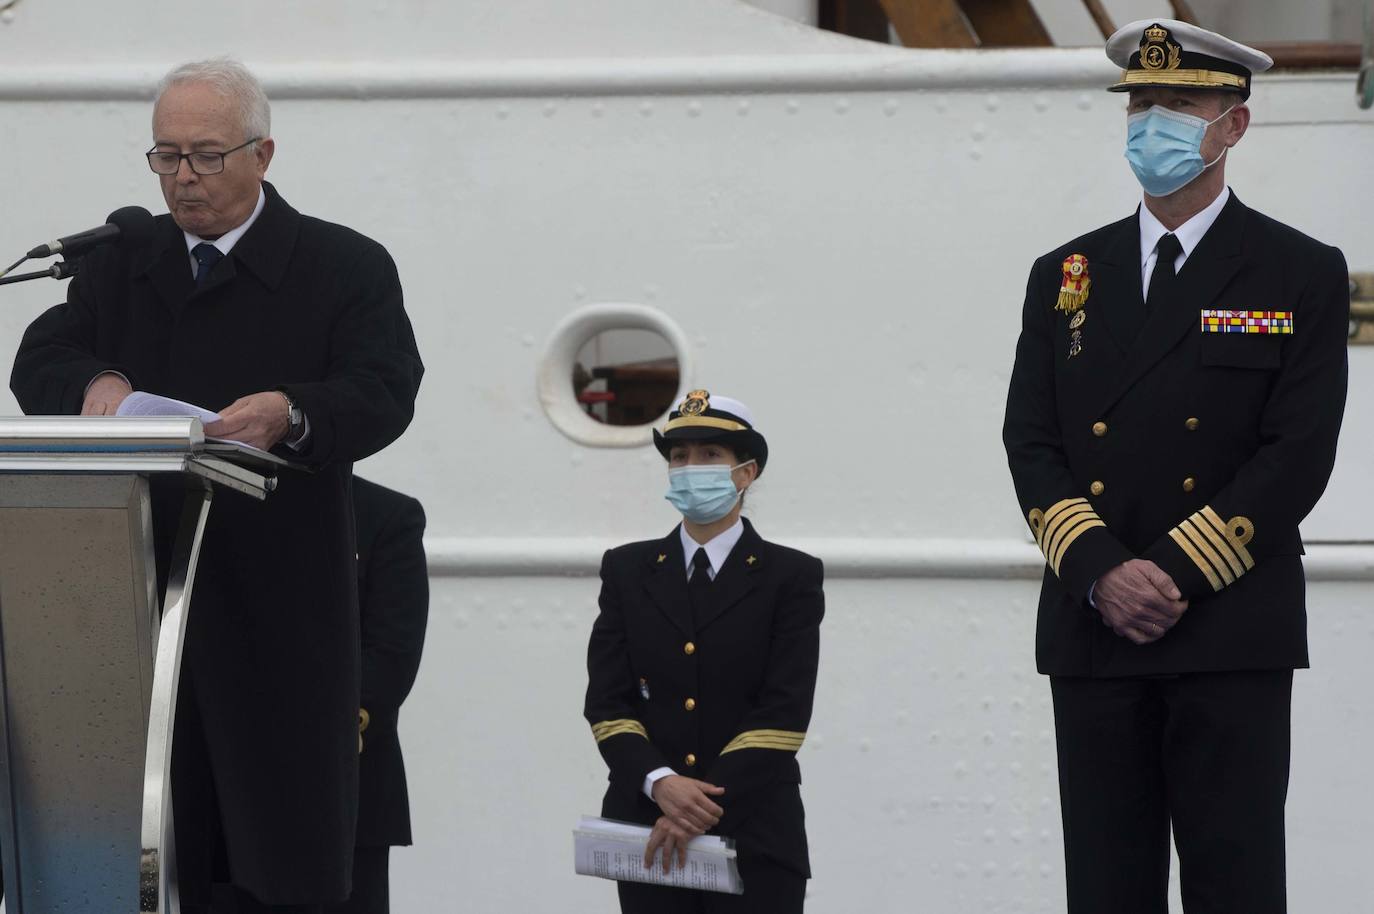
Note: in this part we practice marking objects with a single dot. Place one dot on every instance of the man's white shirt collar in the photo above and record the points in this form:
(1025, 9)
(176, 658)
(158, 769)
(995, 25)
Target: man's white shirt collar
(717, 550)
(226, 242)
(1189, 234)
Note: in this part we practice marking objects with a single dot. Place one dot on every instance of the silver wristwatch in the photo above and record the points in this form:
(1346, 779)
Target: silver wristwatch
(295, 419)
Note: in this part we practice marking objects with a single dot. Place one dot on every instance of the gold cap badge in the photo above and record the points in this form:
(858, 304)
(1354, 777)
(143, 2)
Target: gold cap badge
(697, 402)
(1158, 51)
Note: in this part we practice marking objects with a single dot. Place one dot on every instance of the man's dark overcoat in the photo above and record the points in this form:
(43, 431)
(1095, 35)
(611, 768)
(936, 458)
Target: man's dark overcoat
(748, 664)
(1200, 451)
(393, 597)
(271, 664)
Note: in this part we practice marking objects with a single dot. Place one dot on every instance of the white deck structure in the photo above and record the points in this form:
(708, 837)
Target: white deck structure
(841, 233)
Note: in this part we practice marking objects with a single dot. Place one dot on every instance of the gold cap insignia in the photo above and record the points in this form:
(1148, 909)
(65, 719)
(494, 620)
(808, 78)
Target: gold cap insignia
(697, 402)
(1158, 51)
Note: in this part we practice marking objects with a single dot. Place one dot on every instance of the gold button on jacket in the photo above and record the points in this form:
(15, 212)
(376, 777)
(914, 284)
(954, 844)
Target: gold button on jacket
(1097, 488)
(1192, 423)
(690, 760)
(689, 648)
(1099, 429)
(1189, 484)
(690, 704)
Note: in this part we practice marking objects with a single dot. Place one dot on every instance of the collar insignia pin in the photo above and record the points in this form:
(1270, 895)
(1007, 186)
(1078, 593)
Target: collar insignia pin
(662, 559)
(751, 560)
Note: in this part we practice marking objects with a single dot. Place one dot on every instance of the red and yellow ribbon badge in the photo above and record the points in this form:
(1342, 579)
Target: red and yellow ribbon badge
(1073, 293)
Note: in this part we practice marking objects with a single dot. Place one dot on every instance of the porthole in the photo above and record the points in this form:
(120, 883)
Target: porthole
(610, 371)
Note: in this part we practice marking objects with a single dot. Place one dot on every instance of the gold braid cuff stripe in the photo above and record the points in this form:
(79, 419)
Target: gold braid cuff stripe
(1056, 529)
(782, 740)
(608, 728)
(1215, 546)
(728, 425)
(1197, 79)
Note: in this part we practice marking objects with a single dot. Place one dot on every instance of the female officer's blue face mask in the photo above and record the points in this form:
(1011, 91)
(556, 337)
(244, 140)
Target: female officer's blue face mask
(1165, 148)
(703, 494)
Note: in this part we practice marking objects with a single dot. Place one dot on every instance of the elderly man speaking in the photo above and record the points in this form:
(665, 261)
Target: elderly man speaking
(1174, 406)
(294, 329)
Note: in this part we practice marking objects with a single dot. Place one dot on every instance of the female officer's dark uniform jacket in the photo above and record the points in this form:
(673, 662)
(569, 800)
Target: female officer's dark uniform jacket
(722, 693)
(1193, 447)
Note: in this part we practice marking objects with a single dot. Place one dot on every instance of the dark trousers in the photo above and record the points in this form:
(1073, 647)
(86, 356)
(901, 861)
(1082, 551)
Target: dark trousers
(768, 889)
(371, 892)
(1204, 752)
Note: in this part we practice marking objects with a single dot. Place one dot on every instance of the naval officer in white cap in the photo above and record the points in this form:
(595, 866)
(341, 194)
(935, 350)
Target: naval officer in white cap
(1174, 407)
(701, 672)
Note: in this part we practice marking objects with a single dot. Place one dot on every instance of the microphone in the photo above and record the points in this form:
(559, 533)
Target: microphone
(127, 225)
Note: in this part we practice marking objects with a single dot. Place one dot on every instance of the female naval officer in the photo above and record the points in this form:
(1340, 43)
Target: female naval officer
(701, 672)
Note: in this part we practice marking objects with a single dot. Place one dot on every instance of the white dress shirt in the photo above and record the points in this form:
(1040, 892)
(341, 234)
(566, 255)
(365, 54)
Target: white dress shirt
(717, 550)
(1189, 234)
(225, 242)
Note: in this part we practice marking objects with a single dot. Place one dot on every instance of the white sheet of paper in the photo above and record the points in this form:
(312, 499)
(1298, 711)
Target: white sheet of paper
(615, 850)
(142, 403)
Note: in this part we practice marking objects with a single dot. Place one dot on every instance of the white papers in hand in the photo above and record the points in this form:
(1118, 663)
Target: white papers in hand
(142, 403)
(615, 850)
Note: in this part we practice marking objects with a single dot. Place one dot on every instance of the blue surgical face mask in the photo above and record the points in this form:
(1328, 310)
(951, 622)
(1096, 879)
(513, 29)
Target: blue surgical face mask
(703, 494)
(1165, 148)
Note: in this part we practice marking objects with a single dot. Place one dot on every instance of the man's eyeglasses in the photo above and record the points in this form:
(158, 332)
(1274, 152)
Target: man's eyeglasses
(202, 163)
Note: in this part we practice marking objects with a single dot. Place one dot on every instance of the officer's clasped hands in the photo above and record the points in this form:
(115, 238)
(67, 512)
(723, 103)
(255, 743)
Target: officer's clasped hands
(688, 811)
(1138, 600)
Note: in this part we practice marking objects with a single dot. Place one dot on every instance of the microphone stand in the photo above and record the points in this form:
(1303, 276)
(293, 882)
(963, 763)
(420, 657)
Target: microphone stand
(63, 269)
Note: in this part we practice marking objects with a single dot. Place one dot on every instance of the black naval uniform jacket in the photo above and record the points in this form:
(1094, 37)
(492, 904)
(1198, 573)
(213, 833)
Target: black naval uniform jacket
(271, 660)
(393, 598)
(1198, 451)
(725, 698)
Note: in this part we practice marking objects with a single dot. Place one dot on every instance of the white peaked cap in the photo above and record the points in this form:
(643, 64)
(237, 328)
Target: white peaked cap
(1166, 52)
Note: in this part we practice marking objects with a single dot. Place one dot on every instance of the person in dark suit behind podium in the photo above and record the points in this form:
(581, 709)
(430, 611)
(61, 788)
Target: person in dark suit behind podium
(701, 673)
(1173, 413)
(294, 330)
(393, 602)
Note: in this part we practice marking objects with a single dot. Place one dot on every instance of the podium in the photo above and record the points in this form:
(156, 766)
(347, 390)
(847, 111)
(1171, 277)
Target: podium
(88, 665)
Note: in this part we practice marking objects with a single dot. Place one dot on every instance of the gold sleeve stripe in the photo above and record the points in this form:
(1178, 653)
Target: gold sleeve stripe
(1060, 507)
(1215, 546)
(1201, 545)
(1061, 525)
(1238, 533)
(1197, 558)
(1057, 527)
(1057, 556)
(608, 728)
(1219, 543)
(782, 740)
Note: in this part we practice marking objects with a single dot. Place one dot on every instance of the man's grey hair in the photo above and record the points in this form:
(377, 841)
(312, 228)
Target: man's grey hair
(231, 79)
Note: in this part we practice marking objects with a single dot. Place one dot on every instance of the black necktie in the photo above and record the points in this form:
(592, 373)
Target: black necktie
(206, 255)
(1162, 279)
(699, 585)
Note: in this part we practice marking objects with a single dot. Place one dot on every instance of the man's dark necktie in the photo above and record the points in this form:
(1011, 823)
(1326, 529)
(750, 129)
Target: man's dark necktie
(699, 585)
(1162, 280)
(206, 255)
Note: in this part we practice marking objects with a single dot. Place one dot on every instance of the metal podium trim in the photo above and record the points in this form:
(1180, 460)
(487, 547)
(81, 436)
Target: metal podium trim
(12, 871)
(157, 857)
